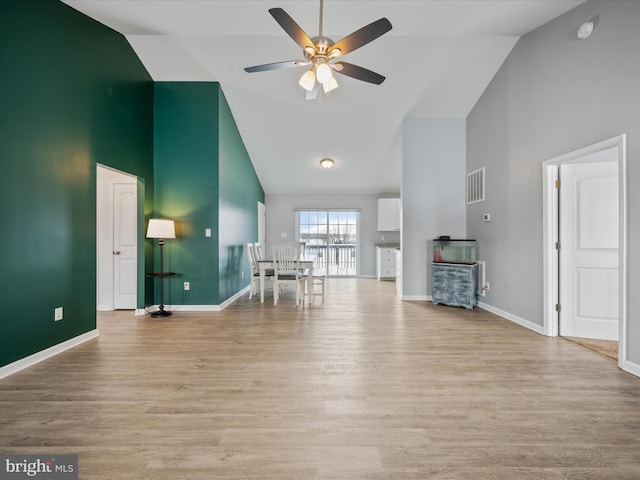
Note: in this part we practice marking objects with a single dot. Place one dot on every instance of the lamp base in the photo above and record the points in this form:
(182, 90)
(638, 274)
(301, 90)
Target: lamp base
(160, 313)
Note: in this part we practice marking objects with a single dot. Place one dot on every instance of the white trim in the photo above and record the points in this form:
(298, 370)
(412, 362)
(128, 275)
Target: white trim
(190, 308)
(513, 318)
(489, 308)
(631, 367)
(106, 177)
(140, 311)
(42, 355)
(550, 235)
(200, 308)
(416, 298)
(623, 354)
(550, 254)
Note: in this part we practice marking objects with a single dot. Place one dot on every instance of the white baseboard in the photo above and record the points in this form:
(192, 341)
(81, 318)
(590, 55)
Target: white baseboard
(38, 357)
(200, 308)
(235, 297)
(514, 318)
(189, 308)
(141, 311)
(626, 365)
(632, 368)
(416, 298)
(501, 313)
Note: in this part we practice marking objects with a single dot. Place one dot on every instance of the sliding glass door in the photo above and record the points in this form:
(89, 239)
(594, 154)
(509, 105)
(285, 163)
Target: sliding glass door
(332, 237)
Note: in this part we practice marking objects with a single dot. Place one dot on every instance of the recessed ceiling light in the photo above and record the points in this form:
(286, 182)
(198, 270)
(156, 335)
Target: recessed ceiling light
(326, 163)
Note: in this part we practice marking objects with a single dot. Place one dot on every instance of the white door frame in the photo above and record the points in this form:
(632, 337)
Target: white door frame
(105, 177)
(550, 170)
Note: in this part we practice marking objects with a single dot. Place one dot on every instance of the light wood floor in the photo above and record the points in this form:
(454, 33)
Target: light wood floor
(362, 387)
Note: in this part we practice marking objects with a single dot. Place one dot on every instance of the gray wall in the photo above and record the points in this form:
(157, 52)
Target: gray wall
(433, 194)
(554, 94)
(281, 219)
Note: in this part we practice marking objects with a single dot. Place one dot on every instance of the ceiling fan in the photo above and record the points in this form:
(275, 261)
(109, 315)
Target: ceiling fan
(323, 54)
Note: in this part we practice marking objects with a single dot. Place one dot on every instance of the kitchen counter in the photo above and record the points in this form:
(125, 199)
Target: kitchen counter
(388, 245)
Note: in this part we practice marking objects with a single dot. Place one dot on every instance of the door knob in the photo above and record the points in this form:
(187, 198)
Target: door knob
(116, 252)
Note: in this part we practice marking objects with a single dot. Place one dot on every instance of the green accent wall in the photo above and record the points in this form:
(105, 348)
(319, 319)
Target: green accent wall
(240, 192)
(73, 94)
(203, 179)
(186, 187)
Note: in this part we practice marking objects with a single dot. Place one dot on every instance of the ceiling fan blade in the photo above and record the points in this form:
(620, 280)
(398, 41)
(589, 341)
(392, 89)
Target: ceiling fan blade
(359, 73)
(276, 66)
(363, 36)
(290, 26)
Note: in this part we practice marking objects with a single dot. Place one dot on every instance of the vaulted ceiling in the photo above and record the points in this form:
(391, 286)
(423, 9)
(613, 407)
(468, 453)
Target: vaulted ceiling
(438, 58)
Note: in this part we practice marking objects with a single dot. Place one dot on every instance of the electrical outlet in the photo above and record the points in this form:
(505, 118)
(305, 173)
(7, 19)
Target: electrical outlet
(487, 286)
(58, 313)
(186, 285)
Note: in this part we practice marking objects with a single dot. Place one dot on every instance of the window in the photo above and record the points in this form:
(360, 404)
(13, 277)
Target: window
(332, 237)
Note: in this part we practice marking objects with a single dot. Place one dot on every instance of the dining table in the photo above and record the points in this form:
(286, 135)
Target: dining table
(306, 264)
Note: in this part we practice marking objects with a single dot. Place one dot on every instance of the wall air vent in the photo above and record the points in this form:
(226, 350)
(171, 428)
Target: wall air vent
(475, 186)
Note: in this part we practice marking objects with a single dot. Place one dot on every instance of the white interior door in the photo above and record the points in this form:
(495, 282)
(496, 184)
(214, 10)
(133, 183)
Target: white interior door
(124, 246)
(589, 231)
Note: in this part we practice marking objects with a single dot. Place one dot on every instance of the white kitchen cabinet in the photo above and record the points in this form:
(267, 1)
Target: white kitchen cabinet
(388, 214)
(385, 262)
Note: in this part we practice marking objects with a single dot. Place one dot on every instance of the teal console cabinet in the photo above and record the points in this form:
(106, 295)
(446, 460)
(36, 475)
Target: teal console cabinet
(455, 284)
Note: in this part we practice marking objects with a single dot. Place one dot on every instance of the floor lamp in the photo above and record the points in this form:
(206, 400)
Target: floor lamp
(161, 228)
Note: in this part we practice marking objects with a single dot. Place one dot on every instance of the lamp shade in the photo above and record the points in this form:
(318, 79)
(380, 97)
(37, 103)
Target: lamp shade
(331, 85)
(161, 228)
(323, 73)
(308, 80)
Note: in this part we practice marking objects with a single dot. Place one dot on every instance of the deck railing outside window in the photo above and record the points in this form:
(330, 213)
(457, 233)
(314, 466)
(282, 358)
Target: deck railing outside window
(331, 236)
(333, 259)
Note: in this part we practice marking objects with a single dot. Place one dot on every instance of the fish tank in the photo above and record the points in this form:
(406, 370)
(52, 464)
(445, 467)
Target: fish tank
(451, 250)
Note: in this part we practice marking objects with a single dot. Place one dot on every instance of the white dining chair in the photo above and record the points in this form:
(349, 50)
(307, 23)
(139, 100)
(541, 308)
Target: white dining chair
(255, 271)
(286, 259)
(314, 287)
(257, 251)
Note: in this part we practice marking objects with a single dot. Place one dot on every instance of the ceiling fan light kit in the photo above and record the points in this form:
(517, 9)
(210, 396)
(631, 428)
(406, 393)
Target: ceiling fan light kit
(322, 54)
(307, 80)
(332, 84)
(323, 73)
